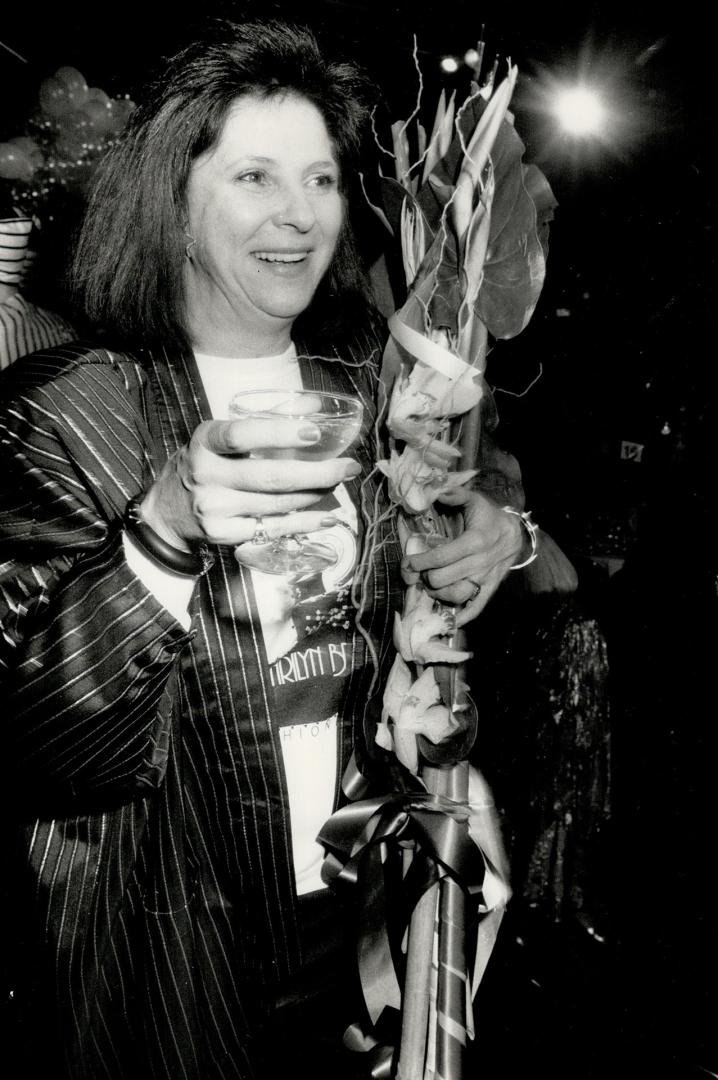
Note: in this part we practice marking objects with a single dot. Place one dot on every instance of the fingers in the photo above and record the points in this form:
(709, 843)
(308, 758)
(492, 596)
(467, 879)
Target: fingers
(457, 496)
(216, 498)
(225, 516)
(476, 569)
(474, 607)
(280, 476)
(468, 598)
(468, 552)
(199, 467)
(244, 436)
(213, 502)
(458, 593)
(242, 530)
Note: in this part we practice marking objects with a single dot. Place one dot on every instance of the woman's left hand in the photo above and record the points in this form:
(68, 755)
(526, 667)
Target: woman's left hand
(469, 569)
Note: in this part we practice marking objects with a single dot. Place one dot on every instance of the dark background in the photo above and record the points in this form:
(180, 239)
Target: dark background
(623, 333)
(623, 340)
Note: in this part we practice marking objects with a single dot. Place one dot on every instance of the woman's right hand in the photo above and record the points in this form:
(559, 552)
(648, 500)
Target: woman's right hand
(211, 491)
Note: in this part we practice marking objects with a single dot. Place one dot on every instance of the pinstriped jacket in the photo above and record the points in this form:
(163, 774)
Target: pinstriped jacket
(25, 327)
(154, 860)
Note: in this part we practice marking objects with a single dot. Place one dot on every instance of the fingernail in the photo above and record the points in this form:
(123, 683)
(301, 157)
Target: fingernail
(310, 433)
(327, 522)
(353, 469)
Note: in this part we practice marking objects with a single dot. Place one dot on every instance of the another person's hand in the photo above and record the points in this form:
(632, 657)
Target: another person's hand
(469, 569)
(211, 490)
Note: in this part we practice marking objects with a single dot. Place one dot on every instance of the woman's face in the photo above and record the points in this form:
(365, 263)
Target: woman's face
(265, 212)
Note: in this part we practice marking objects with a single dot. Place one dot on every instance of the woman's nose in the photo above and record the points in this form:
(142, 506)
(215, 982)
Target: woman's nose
(295, 210)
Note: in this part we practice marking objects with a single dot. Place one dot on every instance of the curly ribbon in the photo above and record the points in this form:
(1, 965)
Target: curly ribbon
(428, 352)
(365, 841)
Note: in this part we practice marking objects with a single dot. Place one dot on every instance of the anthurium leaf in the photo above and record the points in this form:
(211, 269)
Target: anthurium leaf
(514, 269)
(393, 195)
(432, 197)
(437, 284)
(543, 198)
(522, 206)
(515, 264)
(506, 156)
(434, 194)
(446, 300)
(467, 118)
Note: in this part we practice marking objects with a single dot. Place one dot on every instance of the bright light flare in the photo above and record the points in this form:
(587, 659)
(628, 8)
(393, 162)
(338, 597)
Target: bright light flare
(583, 110)
(580, 112)
(449, 65)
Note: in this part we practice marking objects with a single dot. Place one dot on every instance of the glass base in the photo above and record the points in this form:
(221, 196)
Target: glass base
(286, 556)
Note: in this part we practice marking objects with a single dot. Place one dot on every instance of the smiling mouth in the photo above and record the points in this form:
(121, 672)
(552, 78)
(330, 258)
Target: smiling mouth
(281, 256)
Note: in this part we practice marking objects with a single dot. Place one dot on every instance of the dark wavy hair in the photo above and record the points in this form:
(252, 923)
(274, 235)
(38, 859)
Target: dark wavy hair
(126, 270)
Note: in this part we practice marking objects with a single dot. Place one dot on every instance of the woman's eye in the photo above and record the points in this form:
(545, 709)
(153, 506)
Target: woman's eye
(252, 176)
(322, 180)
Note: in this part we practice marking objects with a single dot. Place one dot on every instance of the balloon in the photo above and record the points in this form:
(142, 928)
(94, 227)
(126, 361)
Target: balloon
(95, 94)
(29, 147)
(98, 109)
(77, 120)
(71, 141)
(71, 148)
(15, 163)
(76, 176)
(74, 84)
(53, 97)
(121, 109)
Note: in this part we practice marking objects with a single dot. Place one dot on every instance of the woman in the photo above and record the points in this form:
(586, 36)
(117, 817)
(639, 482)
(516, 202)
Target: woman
(170, 780)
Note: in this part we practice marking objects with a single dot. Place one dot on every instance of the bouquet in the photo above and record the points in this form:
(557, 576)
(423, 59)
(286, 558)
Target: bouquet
(471, 220)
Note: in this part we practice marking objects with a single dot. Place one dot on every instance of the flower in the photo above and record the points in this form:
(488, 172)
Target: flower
(416, 709)
(422, 393)
(414, 484)
(417, 632)
(425, 435)
(473, 235)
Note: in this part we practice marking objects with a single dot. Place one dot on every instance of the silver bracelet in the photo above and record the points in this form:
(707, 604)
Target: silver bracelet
(532, 530)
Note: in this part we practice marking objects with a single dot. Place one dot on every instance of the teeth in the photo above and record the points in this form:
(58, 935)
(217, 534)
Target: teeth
(270, 256)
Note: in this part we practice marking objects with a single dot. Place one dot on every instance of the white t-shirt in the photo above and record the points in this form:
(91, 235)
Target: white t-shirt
(309, 748)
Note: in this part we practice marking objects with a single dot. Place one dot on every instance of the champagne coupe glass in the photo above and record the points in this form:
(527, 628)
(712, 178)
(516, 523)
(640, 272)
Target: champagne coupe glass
(338, 417)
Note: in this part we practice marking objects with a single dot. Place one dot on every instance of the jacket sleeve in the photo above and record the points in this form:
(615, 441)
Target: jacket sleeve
(87, 652)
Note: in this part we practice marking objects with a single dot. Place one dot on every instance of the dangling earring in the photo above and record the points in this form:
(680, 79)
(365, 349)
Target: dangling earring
(190, 245)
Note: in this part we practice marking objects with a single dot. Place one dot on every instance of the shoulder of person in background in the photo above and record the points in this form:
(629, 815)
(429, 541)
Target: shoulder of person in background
(24, 326)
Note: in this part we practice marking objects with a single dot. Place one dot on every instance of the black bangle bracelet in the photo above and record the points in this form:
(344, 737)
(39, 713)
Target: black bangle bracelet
(185, 563)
